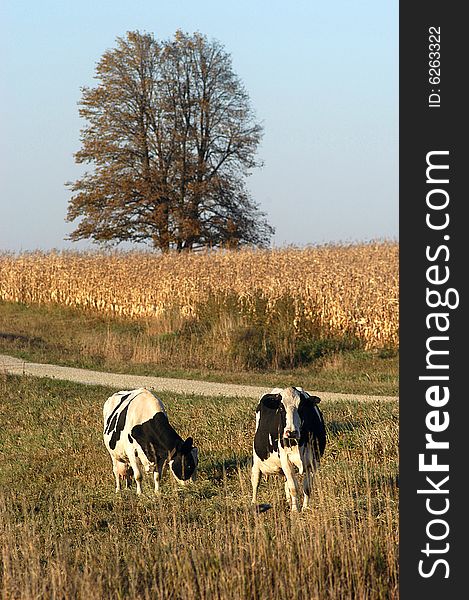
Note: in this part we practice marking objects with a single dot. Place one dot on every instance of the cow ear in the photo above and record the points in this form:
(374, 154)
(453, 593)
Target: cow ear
(271, 401)
(187, 445)
(307, 398)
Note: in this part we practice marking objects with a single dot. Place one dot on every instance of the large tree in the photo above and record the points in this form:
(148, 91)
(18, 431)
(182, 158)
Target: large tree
(172, 137)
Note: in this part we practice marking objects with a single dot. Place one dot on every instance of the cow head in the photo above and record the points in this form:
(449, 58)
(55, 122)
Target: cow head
(183, 464)
(289, 405)
(285, 403)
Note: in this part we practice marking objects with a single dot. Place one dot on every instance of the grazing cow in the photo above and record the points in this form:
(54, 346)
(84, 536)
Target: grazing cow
(290, 433)
(140, 439)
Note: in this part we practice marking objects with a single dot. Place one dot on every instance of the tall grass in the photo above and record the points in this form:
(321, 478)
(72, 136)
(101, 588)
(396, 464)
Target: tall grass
(283, 305)
(66, 336)
(65, 534)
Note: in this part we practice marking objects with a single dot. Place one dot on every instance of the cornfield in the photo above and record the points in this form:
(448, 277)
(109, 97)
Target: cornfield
(330, 291)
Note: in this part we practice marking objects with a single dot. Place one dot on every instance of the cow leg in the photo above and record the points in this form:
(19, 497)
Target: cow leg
(291, 493)
(156, 479)
(138, 480)
(291, 481)
(138, 476)
(116, 471)
(307, 487)
(157, 475)
(255, 476)
(128, 478)
(287, 493)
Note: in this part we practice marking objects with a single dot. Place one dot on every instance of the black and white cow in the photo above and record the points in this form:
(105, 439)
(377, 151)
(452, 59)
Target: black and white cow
(141, 440)
(290, 435)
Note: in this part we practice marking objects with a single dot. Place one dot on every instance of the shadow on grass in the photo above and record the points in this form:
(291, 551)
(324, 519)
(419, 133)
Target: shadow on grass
(217, 469)
(336, 427)
(22, 340)
(32, 346)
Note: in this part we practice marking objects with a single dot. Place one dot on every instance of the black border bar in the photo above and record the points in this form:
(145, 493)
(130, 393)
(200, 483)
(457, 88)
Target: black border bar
(434, 324)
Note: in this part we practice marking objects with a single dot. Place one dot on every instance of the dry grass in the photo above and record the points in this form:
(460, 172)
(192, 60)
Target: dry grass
(65, 534)
(65, 336)
(345, 292)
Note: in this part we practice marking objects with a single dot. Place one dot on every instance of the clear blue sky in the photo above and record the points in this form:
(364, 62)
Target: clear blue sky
(322, 77)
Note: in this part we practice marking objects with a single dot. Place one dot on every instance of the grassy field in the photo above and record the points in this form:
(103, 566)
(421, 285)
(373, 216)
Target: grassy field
(65, 534)
(66, 336)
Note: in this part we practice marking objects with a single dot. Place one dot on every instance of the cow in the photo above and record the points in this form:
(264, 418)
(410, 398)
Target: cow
(290, 435)
(140, 439)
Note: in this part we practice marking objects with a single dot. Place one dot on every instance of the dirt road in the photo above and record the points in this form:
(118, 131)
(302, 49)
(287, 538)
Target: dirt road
(10, 364)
